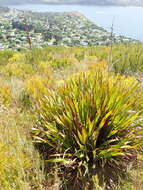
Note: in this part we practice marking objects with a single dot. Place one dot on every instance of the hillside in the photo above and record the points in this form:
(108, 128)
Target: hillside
(63, 105)
(41, 29)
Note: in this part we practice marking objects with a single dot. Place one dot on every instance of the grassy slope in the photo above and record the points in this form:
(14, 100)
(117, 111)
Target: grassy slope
(24, 78)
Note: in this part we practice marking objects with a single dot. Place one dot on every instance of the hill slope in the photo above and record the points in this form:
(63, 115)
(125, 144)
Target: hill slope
(69, 28)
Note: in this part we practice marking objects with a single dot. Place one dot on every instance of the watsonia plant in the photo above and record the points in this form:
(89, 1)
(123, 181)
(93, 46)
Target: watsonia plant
(90, 126)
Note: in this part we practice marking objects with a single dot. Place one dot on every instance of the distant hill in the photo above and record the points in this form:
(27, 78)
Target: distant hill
(68, 29)
(89, 2)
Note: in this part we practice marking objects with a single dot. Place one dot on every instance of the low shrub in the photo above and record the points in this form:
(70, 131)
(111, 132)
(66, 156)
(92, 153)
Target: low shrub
(5, 94)
(89, 127)
(36, 86)
(25, 100)
(44, 67)
(59, 63)
(20, 70)
(17, 57)
(5, 56)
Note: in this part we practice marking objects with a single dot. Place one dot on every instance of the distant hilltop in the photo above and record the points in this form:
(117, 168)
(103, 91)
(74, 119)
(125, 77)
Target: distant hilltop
(82, 2)
(76, 13)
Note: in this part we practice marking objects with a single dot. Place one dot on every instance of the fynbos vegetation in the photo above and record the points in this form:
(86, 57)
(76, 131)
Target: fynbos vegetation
(70, 119)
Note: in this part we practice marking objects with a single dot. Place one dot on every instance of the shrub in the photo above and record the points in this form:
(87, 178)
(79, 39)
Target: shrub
(21, 70)
(59, 63)
(80, 53)
(17, 57)
(45, 68)
(25, 100)
(90, 127)
(5, 56)
(96, 65)
(5, 94)
(36, 86)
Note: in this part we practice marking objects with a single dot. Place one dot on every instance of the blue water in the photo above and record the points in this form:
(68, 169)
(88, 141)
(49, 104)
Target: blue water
(127, 21)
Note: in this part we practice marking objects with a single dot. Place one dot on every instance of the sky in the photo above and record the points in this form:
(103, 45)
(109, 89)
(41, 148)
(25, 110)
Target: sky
(105, 2)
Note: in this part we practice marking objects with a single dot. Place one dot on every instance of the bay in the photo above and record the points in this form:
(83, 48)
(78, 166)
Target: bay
(127, 21)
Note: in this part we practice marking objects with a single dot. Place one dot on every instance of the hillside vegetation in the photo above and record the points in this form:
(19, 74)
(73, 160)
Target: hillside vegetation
(71, 118)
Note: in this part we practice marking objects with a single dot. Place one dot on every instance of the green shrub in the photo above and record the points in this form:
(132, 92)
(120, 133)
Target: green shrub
(89, 127)
(20, 70)
(37, 85)
(25, 100)
(5, 56)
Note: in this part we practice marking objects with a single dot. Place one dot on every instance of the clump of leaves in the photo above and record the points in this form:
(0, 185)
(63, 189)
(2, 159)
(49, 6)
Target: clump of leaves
(90, 126)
